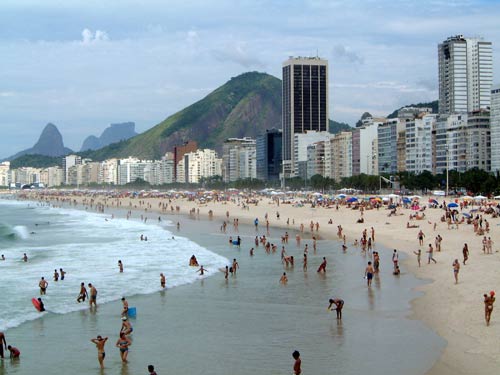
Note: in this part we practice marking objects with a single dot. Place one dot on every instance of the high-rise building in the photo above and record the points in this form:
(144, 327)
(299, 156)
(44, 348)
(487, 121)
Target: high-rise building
(4, 173)
(179, 152)
(418, 136)
(495, 128)
(239, 159)
(270, 155)
(341, 156)
(465, 74)
(68, 162)
(305, 103)
(201, 164)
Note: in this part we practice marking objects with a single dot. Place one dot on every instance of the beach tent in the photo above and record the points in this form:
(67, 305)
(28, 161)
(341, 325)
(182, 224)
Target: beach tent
(497, 197)
(452, 205)
(479, 198)
(393, 196)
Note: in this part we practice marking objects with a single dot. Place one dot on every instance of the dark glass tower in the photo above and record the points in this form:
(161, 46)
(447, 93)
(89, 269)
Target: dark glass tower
(305, 103)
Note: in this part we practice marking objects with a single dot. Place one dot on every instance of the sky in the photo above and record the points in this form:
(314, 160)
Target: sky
(85, 64)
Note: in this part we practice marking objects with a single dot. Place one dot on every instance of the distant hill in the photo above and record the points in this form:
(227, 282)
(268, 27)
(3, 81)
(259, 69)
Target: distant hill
(112, 134)
(36, 161)
(434, 105)
(337, 127)
(50, 143)
(245, 106)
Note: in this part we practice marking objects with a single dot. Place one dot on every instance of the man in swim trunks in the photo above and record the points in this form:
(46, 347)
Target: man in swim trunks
(162, 280)
(322, 266)
(83, 293)
(93, 295)
(43, 286)
(99, 343)
(4, 345)
(339, 303)
(369, 274)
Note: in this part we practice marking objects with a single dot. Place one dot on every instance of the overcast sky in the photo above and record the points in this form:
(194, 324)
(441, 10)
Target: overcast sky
(84, 65)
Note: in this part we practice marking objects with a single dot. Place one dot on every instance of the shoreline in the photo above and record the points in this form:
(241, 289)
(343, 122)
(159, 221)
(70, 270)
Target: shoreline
(464, 352)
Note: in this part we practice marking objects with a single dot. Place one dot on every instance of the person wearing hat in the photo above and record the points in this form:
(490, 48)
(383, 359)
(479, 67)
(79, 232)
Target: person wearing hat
(126, 326)
(488, 306)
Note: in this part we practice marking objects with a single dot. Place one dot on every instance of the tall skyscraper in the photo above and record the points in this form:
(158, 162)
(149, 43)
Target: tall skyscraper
(305, 103)
(269, 155)
(465, 74)
(495, 128)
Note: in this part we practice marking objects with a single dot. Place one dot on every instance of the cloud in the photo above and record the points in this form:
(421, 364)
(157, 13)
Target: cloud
(238, 54)
(88, 37)
(345, 53)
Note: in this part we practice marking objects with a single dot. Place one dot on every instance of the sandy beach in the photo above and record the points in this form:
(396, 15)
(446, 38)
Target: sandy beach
(455, 312)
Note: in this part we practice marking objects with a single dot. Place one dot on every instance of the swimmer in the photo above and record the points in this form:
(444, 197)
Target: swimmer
(202, 270)
(251, 252)
(42, 306)
(14, 352)
(162, 280)
(62, 273)
(25, 258)
(93, 296)
(120, 266)
(3, 257)
(56, 275)
(322, 266)
(283, 279)
(3, 344)
(99, 343)
(83, 293)
(235, 266)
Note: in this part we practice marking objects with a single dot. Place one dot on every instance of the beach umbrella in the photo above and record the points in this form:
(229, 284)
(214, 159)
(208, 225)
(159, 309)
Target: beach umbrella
(452, 205)
(433, 201)
(377, 199)
(415, 197)
(479, 197)
(352, 199)
(467, 198)
(465, 214)
(341, 196)
(406, 200)
(415, 208)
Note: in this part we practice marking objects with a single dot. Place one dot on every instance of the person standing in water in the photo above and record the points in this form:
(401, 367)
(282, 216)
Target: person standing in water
(83, 293)
(99, 342)
(297, 364)
(43, 284)
(284, 279)
(126, 326)
(120, 266)
(93, 295)
(56, 275)
(3, 344)
(162, 280)
(369, 274)
(123, 343)
(202, 270)
(62, 273)
(322, 266)
(339, 304)
(125, 307)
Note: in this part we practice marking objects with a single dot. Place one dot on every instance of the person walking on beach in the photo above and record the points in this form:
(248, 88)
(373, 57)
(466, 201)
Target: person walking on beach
(369, 274)
(83, 293)
(456, 269)
(418, 253)
(43, 286)
(420, 237)
(430, 253)
(297, 364)
(339, 304)
(162, 280)
(3, 344)
(488, 306)
(99, 342)
(465, 252)
(93, 295)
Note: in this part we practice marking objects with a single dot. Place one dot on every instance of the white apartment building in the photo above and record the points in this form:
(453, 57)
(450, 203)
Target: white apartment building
(131, 169)
(341, 156)
(68, 162)
(368, 146)
(108, 172)
(418, 143)
(201, 164)
(4, 173)
(52, 176)
(301, 143)
(26, 175)
(495, 129)
(239, 159)
(465, 74)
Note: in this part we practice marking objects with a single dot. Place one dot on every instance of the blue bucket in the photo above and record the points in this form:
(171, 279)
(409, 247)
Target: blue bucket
(132, 312)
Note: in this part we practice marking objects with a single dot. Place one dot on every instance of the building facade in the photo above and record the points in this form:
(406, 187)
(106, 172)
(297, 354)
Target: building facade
(495, 129)
(239, 159)
(269, 155)
(305, 103)
(418, 143)
(465, 74)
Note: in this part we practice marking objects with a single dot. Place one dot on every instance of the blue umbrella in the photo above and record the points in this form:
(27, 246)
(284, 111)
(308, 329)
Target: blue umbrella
(352, 199)
(406, 200)
(466, 215)
(452, 205)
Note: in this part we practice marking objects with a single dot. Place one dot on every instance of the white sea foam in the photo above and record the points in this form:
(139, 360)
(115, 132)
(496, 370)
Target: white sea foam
(88, 246)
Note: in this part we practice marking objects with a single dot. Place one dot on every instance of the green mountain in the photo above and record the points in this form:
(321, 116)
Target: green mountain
(243, 107)
(434, 105)
(337, 127)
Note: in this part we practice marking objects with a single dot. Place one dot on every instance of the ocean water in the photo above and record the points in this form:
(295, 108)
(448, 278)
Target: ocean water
(87, 246)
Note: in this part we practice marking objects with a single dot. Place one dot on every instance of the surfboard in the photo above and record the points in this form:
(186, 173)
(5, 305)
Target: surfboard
(35, 303)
